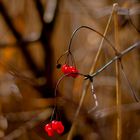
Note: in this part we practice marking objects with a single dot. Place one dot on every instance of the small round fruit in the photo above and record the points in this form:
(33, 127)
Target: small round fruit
(65, 69)
(54, 124)
(50, 132)
(47, 126)
(60, 128)
(73, 71)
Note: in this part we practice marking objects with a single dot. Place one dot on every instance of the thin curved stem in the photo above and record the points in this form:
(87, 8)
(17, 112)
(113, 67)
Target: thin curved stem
(62, 77)
(110, 62)
(57, 62)
(87, 27)
(73, 60)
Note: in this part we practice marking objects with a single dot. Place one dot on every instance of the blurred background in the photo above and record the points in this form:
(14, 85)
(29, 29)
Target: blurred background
(33, 35)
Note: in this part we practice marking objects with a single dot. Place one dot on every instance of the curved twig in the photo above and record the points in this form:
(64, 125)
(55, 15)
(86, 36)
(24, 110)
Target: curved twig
(87, 27)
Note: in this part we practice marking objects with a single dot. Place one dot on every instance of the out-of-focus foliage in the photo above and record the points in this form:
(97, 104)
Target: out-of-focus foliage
(33, 34)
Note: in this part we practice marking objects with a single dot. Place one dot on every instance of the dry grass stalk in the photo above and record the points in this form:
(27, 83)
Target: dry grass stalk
(117, 67)
(86, 84)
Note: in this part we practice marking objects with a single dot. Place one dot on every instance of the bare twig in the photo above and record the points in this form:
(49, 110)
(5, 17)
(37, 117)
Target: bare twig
(87, 27)
(45, 37)
(18, 37)
(134, 46)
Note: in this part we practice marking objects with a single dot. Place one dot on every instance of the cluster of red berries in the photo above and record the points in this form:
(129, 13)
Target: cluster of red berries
(71, 70)
(57, 126)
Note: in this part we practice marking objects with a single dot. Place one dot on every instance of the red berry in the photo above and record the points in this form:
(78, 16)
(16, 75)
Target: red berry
(70, 69)
(60, 128)
(65, 69)
(54, 124)
(73, 71)
(47, 126)
(49, 130)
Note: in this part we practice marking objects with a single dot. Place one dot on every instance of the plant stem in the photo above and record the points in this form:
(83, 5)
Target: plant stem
(117, 67)
(86, 84)
(134, 46)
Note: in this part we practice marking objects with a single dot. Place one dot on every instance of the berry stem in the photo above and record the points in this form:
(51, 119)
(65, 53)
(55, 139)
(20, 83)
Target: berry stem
(87, 27)
(62, 77)
(61, 56)
(53, 112)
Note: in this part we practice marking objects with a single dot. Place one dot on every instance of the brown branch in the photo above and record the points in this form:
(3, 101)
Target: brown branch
(21, 44)
(45, 38)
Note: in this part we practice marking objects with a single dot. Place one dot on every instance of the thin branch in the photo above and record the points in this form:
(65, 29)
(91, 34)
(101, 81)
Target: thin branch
(45, 39)
(127, 80)
(87, 27)
(22, 45)
(134, 46)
